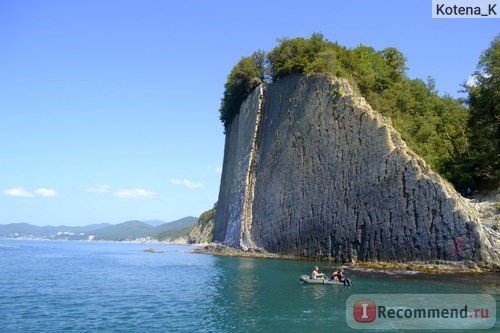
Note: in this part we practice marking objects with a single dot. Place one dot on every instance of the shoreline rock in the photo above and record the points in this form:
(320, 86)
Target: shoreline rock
(151, 250)
(434, 267)
(431, 267)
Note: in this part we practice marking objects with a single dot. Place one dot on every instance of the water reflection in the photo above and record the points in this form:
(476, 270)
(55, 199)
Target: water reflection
(239, 297)
(247, 284)
(318, 292)
(262, 295)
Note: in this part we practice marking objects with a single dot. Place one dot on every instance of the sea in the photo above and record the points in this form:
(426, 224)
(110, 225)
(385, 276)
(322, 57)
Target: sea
(66, 286)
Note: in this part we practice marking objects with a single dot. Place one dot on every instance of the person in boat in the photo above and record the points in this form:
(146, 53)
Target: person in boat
(316, 274)
(342, 278)
(335, 275)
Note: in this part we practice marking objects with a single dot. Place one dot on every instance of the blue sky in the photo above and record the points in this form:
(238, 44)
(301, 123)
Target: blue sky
(109, 109)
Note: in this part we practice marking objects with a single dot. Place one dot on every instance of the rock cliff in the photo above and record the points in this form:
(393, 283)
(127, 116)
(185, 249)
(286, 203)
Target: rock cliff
(202, 232)
(311, 170)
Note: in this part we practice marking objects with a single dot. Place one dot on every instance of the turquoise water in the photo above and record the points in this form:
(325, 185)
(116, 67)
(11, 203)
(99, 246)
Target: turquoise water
(50, 286)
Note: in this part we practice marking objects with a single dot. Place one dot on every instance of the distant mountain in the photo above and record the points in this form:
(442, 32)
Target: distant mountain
(93, 227)
(176, 229)
(155, 223)
(130, 230)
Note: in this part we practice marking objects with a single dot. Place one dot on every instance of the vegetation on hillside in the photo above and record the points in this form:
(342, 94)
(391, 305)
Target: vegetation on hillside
(207, 216)
(482, 162)
(459, 139)
(175, 230)
(203, 231)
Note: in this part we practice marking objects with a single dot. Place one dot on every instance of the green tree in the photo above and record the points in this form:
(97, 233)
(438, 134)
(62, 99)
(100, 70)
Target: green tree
(484, 105)
(451, 130)
(396, 63)
(295, 55)
(244, 77)
(261, 62)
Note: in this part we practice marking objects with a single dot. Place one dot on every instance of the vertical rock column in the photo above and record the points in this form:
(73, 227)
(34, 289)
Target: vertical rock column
(246, 220)
(234, 208)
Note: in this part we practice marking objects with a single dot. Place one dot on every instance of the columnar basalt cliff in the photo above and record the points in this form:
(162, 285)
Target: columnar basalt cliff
(234, 212)
(311, 170)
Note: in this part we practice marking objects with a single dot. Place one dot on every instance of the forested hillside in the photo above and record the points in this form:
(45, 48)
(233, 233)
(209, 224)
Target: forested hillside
(457, 138)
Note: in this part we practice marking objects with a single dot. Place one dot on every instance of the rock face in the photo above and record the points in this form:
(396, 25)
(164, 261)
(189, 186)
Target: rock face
(202, 232)
(311, 170)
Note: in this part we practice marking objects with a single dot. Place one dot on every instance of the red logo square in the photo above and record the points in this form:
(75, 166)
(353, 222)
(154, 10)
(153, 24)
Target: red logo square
(365, 311)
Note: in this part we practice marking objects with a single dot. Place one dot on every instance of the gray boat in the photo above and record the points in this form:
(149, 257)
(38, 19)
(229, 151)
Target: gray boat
(307, 279)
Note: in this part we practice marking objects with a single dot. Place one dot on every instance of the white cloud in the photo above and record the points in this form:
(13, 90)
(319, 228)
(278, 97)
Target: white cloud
(46, 192)
(99, 189)
(134, 193)
(23, 193)
(123, 193)
(185, 182)
(18, 192)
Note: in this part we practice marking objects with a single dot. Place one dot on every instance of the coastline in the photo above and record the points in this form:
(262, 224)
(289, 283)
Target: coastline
(435, 267)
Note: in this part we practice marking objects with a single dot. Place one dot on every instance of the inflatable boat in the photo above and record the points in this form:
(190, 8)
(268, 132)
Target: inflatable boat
(307, 279)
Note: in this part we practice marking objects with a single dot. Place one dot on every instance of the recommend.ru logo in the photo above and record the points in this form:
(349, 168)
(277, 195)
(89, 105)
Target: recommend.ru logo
(421, 311)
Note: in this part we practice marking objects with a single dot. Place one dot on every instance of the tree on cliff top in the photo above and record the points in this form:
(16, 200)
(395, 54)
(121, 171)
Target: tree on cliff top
(436, 128)
(248, 73)
(298, 55)
(369, 69)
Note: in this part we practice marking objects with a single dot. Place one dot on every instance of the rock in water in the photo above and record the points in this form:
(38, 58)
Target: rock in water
(310, 169)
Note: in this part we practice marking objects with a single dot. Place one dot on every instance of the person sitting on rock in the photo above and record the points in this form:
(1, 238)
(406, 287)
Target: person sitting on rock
(316, 274)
